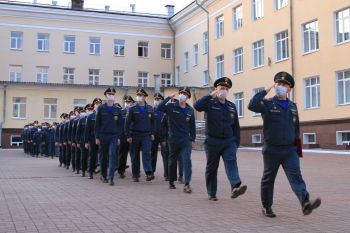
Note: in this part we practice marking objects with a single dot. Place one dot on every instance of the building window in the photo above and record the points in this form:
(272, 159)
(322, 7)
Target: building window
(238, 60)
(177, 76)
(16, 140)
(195, 54)
(42, 74)
(166, 51)
(256, 138)
(142, 79)
(219, 26)
(43, 42)
(309, 138)
(205, 42)
(312, 92)
(94, 76)
(95, 45)
(118, 78)
(119, 47)
(282, 52)
(343, 137)
(255, 91)
(16, 40)
(237, 17)
(166, 80)
(206, 77)
(219, 67)
(69, 44)
(19, 107)
(68, 75)
(343, 87)
(15, 73)
(50, 108)
(310, 36)
(258, 54)
(239, 102)
(281, 3)
(185, 62)
(79, 103)
(258, 9)
(342, 19)
(143, 49)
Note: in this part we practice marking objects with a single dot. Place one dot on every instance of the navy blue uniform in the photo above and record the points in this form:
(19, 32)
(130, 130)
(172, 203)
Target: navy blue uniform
(181, 134)
(63, 146)
(158, 116)
(222, 139)
(67, 142)
(89, 138)
(108, 129)
(281, 129)
(75, 150)
(123, 147)
(79, 138)
(51, 141)
(139, 125)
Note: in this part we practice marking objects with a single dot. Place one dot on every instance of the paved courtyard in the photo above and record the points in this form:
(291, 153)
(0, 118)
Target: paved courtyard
(38, 196)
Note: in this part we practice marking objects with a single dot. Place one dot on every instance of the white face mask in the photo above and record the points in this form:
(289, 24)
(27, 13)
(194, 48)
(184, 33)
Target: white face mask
(182, 98)
(72, 117)
(83, 114)
(139, 98)
(223, 93)
(157, 102)
(110, 98)
(96, 107)
(281, 91)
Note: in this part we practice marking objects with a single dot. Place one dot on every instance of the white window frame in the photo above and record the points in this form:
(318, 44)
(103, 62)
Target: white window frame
(142, 80)
(237, 59)
(339, 139)
(312, 38)
(345, 91)
(15, 73)
(144, 49)
(68, 75)
(42, 74)
(195, 55)
(219, 66)
(118, 78)
(79, 103)
(282, 46)
(16, 40)
(19, 104)
(279, 4)
(166, 80)
(94, 45)
(50, 107)
(312, 88)
(254, 138)
(205, 78)
(239, 102)
(259, 50)
(69, 44)
(94, 76)
(237, 16)
(15, 143)
(166, 51)
(256, 90)
(257, 9)
(340, 24)
(119, 47)
(219, 26)
(306, 139)
(205, 43)
(177, 75)
(186, 65)
(43, 43)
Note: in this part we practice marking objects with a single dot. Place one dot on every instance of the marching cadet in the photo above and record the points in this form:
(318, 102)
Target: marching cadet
(72, 116)
(45, 139)
(37, 140)
(89, 137)
(158, 116)
(181, 132)
(61, 140)
(75, 149)
(222, 137)
(66, 139)
(25, 139)
(51, 140)
(164, 149)
(79, 138)
(281, 133)
(138, 130)
(33, 130)
(124, 145)
(108, 129)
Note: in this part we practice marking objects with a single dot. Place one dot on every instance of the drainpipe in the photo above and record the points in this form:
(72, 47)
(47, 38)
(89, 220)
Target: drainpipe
(4, 114)
(173, 51)
(292, 42)
(208, 57)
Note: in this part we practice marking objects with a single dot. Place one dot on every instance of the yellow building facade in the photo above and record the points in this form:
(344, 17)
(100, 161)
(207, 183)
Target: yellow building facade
(54, 58)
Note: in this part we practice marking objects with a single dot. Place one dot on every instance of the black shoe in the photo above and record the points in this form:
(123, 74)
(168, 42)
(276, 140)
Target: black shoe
(135, 179)
(212, 198)
(268, 212)
(121, 176)
(73, 170)
(187, 189)
(181, 180)
(67, 167)
(172, 185)
(127, 166)
(111, 182)
(77, 172)
(82, 174)
(238, 191)
(309, 206)
(91, 176)
(105, 180)
(149, 177)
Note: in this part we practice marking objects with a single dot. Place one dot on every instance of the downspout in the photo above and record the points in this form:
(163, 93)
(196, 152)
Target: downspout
(4, 114)
(208, 57)
(173, 50)
(292, 43)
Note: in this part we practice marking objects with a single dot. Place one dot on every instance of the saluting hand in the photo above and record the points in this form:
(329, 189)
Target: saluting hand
(172, 96)
(269, 88)
(214, 93)
(152, 137)
(97, 141)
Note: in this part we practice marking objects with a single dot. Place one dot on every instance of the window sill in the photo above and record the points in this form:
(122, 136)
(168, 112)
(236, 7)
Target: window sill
(240, 117)
(116, 55)
(236, 29)
(95, 54)
(143, 57)
(343, 42)
(258, 67)
(66, 52)
(312, 108)
(345, 104)
(13, 49)
(313, 51)
(282, 60)
(18, 118)
(164, 58)
(42, 51)
(278, 9)
(235, 73)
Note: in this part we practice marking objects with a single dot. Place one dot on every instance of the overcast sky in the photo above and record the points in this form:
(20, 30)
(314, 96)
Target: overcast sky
(144, 6)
